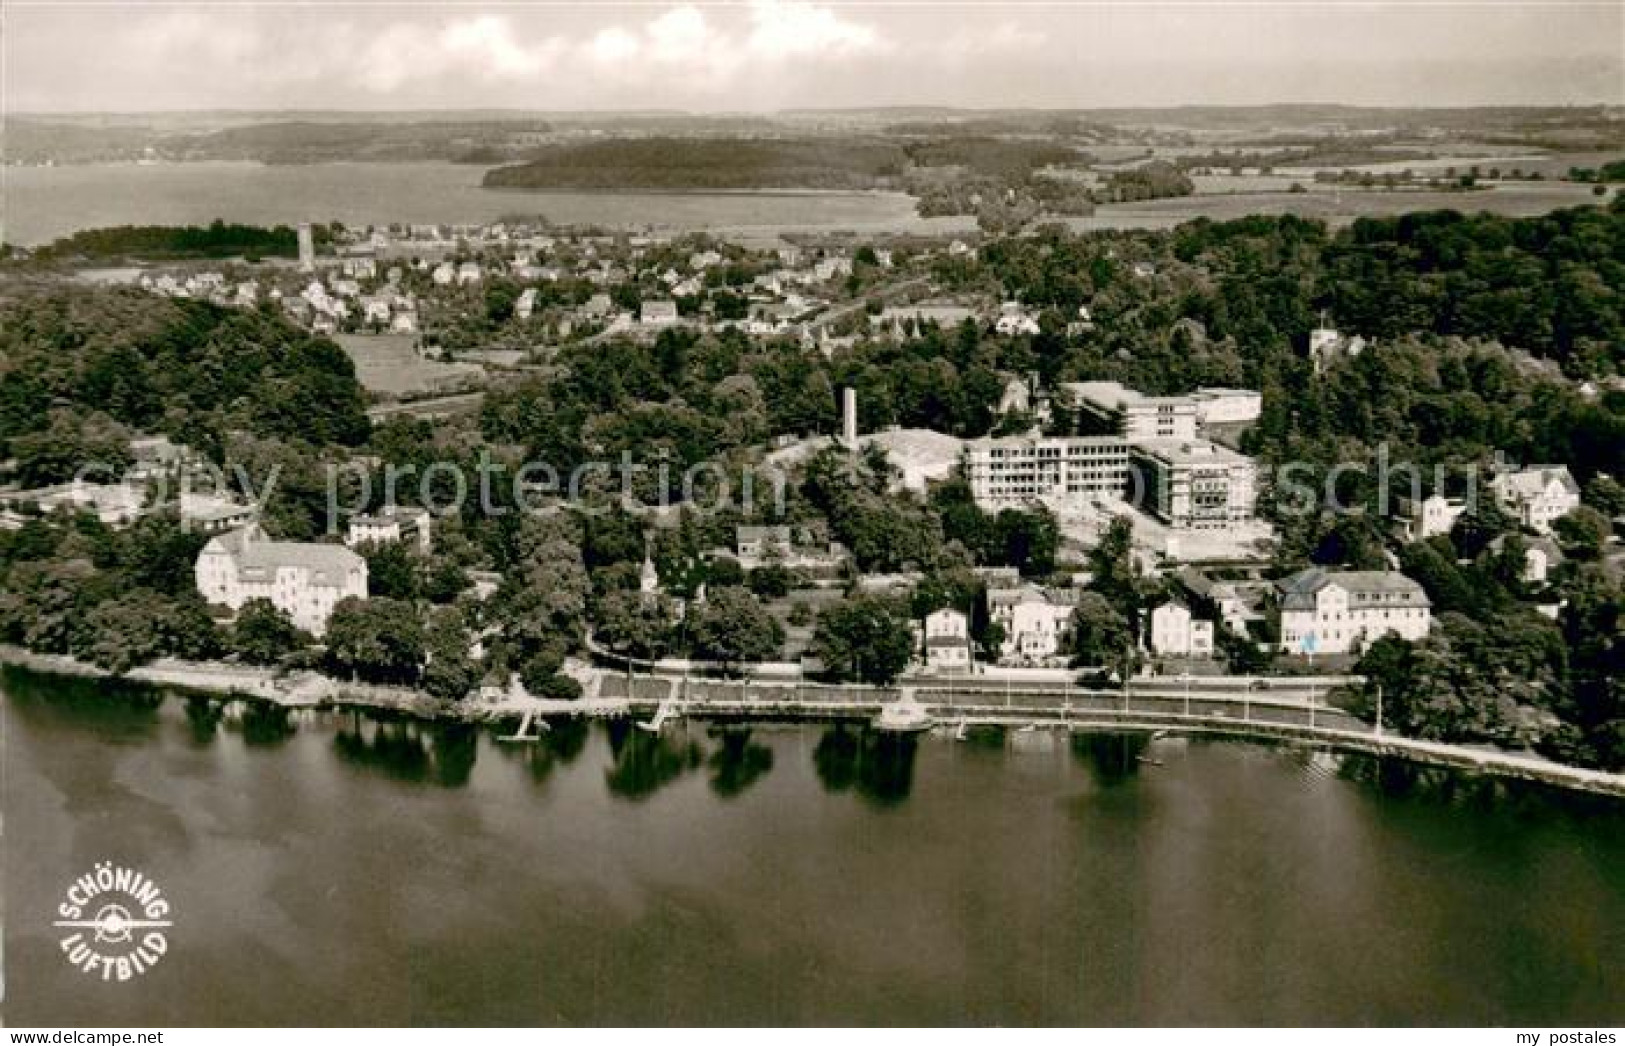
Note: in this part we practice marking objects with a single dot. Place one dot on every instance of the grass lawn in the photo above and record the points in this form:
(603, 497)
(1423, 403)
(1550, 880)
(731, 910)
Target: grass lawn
(389, 365)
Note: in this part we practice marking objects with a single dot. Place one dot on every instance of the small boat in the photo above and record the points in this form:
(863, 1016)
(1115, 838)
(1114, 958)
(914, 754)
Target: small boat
(1148, 760)
(903, 717)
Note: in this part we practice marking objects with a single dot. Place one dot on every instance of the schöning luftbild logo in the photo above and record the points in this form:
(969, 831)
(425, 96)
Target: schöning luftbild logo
(115, 920)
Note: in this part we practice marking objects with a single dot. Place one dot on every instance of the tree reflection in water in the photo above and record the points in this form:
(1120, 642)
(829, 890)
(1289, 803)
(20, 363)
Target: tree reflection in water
(266, 724)
(394, 747)
(114, 707)
(737, 763)
(1113, 758)
(646, 761)
(557, 746)
(203, 715)
(454, 746)
(880, 766)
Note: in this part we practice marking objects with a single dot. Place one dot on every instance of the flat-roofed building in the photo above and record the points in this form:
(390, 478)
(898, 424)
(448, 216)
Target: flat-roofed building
(1194, 484)
(1131, 414)
(1018, 470)
(658, 313)
(1227, 406)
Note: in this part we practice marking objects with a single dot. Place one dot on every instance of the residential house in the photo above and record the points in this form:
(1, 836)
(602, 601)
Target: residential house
(1538, 495)
(213, 515)
(115, 504)
(1229, 600)
(658, 313)
(1540, 556)
(757, 544)
(1014, 318)
(1423, 518)
(947, 640)
(1034, 622)
(1176, 633)
(392, 523)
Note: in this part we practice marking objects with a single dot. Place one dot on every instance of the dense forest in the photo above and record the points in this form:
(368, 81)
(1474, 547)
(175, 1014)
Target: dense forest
(701, 163)
(176, 242)
(81, 369)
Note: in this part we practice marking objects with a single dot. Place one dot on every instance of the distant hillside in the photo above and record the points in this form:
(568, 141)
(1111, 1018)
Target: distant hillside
(716, 163)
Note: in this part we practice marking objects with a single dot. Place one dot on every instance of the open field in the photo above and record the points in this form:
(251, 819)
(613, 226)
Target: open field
(388, 365)
(1335, 206)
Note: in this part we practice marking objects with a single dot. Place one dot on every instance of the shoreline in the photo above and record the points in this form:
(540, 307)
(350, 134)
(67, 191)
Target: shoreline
(313, 691)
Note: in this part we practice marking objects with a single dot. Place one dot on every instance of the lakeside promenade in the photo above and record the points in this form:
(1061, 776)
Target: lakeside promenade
(964, 702)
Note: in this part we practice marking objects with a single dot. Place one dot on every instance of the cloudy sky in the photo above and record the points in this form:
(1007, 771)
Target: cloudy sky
(126, 55)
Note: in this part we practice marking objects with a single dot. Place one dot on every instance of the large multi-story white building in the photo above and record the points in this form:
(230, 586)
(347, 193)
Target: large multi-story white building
(1194, 484)
(1538, 495)
(302, 579)
(1018, 470)
(1034, 623)
(1131, 414)
(1338, 612)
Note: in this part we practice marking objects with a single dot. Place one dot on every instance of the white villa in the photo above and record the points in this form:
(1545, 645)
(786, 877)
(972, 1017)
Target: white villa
(302, 579)
(947, 640)
(392, 523)
(1338, 612)
(1429, 517)
(1537, 495)
(1033, 623)
(1175, 633)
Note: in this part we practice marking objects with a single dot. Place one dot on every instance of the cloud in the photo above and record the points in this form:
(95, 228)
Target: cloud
(1006, 38)
(766, 53)
(787, 29)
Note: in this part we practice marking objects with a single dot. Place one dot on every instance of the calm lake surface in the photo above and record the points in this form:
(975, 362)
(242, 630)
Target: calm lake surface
(341, 868)
(44, 203)
(41, 204)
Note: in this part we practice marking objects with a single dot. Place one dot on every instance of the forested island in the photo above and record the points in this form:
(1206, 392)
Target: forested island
(949, 174)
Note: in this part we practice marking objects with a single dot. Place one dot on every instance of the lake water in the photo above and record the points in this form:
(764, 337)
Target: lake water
(348, 869)
(44, 203)
(40, 204)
